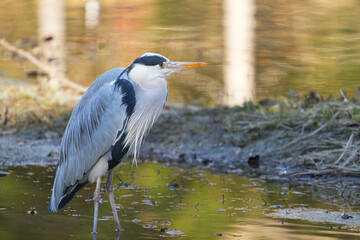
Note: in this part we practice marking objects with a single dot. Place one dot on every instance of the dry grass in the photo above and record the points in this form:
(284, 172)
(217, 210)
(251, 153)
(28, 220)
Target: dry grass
(313, 138)
(320, 138)
(33, 107)
(330, 146)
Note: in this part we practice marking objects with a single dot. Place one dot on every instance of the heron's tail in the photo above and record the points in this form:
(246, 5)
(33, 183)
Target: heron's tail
(62, 194)
(57, 193)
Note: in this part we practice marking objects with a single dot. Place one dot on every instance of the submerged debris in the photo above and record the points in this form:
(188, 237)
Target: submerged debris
(32, 211)
(150, 202)
(4, 174)
(346, 216)
(162, 227)
(136, 220)
(175, 232)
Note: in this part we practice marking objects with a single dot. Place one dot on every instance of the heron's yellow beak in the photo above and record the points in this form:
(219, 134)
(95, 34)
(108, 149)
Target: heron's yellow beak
(193, 64)
(183, 65)
(172, 67)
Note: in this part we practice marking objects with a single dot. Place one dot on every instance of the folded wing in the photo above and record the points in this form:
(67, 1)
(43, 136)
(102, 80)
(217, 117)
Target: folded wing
(97, 121)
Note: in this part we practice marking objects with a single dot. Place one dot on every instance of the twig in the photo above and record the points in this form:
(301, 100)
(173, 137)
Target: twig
(324, 125)
(4, 117)
(346, 198)
(343, 191)
(349, 159)
(44, 67)
(196, 207)
(344, 95)
(349, 142)
(310, 134)
(284, 126)
(263, 113)
(265, 202)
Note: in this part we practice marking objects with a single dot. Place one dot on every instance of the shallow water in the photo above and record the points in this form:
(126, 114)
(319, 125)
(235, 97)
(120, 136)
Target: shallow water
(158, 201)
(299, 45)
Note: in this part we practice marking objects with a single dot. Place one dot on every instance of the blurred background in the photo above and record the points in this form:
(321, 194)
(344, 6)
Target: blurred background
(255, 48)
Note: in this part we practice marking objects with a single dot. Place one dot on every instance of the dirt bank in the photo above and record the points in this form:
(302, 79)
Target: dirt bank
(287, 139)
(298, 141)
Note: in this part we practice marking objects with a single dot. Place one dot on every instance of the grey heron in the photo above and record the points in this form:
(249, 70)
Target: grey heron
(108, 124)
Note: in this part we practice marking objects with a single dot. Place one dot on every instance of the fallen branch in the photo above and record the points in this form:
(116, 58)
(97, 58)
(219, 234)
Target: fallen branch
(53, 74)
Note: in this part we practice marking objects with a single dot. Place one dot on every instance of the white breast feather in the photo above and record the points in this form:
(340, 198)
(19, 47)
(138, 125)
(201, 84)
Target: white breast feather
(147, 110)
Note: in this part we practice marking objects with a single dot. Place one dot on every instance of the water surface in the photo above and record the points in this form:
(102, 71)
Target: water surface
(155, 200)
(298, 45)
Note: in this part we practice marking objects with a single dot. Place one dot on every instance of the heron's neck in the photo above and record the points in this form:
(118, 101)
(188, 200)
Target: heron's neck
(151, 97)
(150, 101)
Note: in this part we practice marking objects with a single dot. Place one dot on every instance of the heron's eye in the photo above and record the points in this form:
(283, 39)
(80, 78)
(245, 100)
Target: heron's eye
(161, 65)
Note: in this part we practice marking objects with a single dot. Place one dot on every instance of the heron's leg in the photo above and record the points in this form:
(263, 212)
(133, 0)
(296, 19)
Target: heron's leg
(97, 198)
(109, 189)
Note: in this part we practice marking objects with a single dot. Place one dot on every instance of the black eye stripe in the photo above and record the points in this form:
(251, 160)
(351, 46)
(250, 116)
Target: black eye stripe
(150, 60)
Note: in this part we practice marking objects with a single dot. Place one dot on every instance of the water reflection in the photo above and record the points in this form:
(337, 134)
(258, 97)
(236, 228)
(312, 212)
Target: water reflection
(239, 76)
(117, 236)
(298, 45)
(165, 202)
(51, 37)
(289, 229)
(92, 13)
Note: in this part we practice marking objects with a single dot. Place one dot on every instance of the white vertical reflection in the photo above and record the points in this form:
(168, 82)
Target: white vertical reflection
(51, 17)
(92, 13)
(239, 23)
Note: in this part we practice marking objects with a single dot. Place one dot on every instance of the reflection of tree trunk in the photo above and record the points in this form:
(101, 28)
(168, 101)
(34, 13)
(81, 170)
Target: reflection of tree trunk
(239, 23)
(51, 37)
(53, 74)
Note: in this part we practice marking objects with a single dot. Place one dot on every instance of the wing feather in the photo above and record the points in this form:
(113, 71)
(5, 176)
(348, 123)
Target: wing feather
(84, 143)
(92, 130)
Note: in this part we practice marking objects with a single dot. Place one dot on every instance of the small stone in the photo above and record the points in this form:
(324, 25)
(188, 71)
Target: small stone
(175, 232)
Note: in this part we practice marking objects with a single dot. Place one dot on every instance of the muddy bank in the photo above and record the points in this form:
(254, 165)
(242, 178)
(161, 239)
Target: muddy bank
(288, 140)
(291, 142)
(28, 148)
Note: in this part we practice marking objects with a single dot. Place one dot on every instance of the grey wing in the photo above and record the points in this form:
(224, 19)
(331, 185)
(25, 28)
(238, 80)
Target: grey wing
(91, 131)
(92, 127)
(90, 134)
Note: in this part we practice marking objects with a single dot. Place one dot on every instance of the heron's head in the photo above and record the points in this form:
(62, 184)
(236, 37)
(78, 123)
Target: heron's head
(152, 66)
